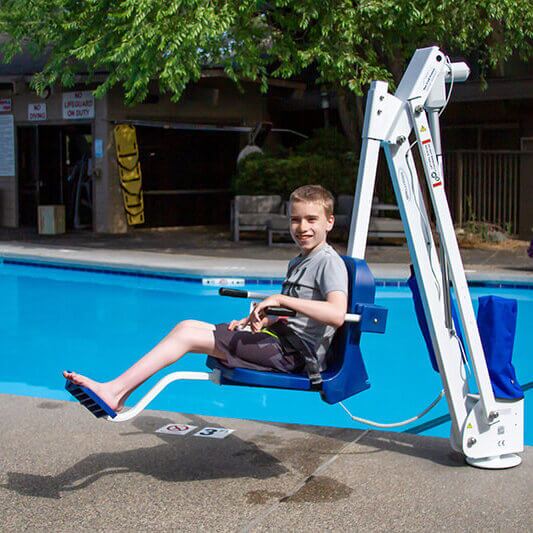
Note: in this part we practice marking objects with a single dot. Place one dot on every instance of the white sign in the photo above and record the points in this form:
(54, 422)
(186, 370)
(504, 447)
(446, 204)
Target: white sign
(5, 105)
(7, 146)
(37, 111)
(78, 105)
(214, 433)
(176, 429)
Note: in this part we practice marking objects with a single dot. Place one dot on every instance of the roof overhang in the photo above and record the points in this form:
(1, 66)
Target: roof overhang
(497, 89)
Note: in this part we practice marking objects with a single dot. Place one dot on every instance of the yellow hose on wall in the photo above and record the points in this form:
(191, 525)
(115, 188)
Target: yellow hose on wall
(129, 170)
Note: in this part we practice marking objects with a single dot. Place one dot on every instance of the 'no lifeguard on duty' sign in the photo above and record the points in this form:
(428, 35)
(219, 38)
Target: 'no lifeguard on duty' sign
(78, 105)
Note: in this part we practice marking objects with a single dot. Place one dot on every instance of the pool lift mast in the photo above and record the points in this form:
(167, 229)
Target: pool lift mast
(488, 431)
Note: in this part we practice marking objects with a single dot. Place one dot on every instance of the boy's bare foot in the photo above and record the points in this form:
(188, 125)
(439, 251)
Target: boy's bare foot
(109, 392)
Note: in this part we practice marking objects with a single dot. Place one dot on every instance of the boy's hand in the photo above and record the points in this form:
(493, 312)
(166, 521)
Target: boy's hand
(238, 324)
(258, 318)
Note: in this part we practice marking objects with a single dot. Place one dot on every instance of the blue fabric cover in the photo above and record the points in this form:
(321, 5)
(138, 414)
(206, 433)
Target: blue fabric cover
(422, 322)
(497, 326)
(496, 319)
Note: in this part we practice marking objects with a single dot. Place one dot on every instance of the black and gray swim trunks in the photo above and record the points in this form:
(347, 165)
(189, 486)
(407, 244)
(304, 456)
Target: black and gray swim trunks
(255, 351)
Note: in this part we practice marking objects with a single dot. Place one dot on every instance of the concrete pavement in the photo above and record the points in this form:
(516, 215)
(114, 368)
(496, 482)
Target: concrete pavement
(63, 470)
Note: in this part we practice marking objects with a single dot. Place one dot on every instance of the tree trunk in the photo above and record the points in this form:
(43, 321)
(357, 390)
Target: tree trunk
(351, 115)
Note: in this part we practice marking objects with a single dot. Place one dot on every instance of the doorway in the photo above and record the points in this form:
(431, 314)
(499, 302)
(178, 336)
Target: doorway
(187, 175)
(54, 168)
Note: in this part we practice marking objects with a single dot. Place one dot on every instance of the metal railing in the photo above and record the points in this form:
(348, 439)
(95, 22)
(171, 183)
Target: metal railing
(483, 186)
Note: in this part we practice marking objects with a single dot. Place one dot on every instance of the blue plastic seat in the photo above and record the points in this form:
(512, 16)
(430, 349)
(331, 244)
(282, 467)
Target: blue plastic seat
(345, 374)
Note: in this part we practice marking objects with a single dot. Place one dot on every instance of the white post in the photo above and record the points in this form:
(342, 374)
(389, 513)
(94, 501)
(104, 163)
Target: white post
(363, 198)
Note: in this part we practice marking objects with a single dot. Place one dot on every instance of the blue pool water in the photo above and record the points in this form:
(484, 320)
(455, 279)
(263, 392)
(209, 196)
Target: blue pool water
(98, 323)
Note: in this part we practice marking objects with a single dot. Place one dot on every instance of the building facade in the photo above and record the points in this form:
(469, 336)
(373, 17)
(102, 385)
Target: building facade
(58, 148)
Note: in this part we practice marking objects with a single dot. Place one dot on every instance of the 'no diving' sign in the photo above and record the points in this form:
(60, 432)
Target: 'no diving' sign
(176, 429)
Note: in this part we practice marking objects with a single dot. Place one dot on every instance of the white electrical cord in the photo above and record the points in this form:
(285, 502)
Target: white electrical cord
(463, 354)
(449, 63)
(426, 227)
(394, 424)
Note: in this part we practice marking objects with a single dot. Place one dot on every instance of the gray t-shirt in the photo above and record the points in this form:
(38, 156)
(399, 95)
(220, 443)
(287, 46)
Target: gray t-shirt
(312, 277)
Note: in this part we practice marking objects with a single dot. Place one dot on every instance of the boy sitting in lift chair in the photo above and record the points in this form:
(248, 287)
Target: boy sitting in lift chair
(315, 287)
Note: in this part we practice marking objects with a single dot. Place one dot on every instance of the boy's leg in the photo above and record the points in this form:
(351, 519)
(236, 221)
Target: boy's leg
(187, 336)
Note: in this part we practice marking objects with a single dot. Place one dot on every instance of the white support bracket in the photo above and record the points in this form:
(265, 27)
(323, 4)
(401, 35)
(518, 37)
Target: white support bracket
(158, 387)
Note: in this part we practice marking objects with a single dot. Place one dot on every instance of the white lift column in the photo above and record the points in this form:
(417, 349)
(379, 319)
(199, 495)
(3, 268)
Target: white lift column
(489, 432)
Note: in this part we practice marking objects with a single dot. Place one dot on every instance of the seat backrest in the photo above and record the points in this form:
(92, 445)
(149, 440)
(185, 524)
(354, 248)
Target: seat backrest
(346, 373)
(259, 204)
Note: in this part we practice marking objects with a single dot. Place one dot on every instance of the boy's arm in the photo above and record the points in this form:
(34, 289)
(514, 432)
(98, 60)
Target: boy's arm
(331, 311)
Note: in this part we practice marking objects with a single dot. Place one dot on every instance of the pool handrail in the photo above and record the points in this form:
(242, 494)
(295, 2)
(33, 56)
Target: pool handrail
(274, 311)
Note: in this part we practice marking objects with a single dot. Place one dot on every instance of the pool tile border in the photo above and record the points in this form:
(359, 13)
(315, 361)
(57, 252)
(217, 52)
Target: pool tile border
(125, 271)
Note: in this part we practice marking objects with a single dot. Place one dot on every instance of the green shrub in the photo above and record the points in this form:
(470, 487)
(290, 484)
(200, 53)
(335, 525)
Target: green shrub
(326, 141)
(322, 159)
(268, 175)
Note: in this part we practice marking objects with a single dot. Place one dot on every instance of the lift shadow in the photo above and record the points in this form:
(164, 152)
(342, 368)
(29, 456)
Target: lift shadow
(177, 459)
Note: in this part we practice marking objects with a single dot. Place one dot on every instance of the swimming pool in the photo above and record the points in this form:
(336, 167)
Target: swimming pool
(98, 322)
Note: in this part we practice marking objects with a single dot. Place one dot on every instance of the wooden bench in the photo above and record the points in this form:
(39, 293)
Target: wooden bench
(380, 226)
(252, 213)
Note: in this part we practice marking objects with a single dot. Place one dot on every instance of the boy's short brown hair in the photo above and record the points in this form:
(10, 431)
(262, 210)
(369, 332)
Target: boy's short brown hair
(316, 194)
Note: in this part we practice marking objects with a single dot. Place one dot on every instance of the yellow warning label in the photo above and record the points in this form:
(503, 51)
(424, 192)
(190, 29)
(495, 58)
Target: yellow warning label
(423, 129)
(469, 426)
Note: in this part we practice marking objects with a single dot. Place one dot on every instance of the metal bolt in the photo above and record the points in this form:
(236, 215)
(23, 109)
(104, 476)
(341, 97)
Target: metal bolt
(400, 139)
(471, 441)
(493, 415)
(419, 109)
(375, 320)
(382, 98)
(379, 111)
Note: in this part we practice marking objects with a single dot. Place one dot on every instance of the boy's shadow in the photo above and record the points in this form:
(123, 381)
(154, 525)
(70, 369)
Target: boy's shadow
(177, 459)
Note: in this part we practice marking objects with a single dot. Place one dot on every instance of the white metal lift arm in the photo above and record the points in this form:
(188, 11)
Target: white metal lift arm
(390, 121)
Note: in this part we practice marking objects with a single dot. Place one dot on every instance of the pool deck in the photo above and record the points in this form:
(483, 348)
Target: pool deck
(61, 469)
(209, 251)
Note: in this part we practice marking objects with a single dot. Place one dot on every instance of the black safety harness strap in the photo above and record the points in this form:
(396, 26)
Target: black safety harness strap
(290, 342)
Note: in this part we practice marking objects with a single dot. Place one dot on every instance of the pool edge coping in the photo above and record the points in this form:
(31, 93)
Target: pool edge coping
(153, 264)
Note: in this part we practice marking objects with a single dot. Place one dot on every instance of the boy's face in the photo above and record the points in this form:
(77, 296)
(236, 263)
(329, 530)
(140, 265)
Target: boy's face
(309, 225)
